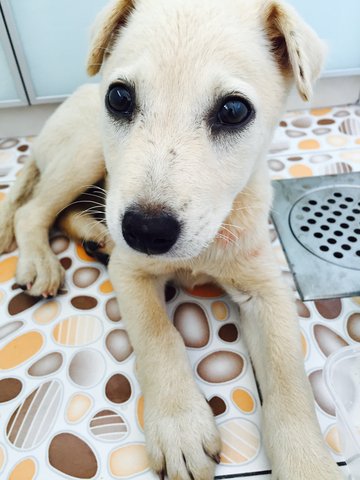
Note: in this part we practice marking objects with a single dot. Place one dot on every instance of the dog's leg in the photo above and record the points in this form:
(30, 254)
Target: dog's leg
(269, 324)
(38, 268)
(179, 426)
(17, 196)
(84, 228)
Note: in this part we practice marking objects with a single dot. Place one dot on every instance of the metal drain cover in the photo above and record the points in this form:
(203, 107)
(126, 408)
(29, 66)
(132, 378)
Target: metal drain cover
(318, 223)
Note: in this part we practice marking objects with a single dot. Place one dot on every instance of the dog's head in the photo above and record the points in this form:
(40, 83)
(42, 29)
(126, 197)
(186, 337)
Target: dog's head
(191, 92)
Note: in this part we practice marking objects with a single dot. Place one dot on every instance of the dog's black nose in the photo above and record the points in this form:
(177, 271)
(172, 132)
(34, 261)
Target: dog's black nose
(151, 233)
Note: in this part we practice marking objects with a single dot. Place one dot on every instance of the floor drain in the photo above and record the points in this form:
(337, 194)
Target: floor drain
(318, 222)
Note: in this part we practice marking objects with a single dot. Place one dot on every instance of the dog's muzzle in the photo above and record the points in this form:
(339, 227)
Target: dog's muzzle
(151, 233)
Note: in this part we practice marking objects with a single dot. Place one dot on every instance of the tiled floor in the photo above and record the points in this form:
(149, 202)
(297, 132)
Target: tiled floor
(67, 383)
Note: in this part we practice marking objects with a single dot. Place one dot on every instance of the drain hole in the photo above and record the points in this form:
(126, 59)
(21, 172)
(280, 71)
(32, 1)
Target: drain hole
(305, 229)
(331, 220)
(346, 247)
(344, 225)
(356, 210)
(349, 199)
(338, 255)
(338, 233)
(337, 213)
(357, 230)
(331, 200)
(332, 241)
(358, 253)
(318, 234)
(313, 202)
(324, 207)
(337, 194)
(318, 214)
(342, 205)
(311, 221)
(352, 239)
(306, 209)
(350, 218)
(325, 227)
(324, 248)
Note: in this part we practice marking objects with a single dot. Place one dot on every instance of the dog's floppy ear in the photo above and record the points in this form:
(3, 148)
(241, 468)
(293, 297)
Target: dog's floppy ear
(296, 47)
(107, 24)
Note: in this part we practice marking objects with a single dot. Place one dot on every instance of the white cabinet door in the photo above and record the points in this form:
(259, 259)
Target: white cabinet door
(51, 40)
(12, 92)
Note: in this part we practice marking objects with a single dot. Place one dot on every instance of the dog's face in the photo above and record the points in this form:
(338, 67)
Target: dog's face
(191, 92)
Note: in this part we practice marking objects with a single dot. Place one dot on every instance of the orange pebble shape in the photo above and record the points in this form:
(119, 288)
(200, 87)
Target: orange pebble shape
(310, 144)
(2, 457)
(206, 291)
(319, 112)
(106, 287)
(8, 269)
(243, 400)
(300, 170)
(140, 411)
(304, 345)
(83, 255)
(25, 470)
(20, 350)
(332, 439)
(128, 461)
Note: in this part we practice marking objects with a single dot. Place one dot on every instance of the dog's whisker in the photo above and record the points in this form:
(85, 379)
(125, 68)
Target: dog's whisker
(233, 226)
(230, 232)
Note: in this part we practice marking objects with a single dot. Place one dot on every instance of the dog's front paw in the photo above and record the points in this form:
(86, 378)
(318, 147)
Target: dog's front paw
(182, 439)
(303, 457)
(310, 467)
(41, 273)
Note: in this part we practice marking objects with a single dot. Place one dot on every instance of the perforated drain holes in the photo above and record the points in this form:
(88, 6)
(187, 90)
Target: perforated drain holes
(327, 223)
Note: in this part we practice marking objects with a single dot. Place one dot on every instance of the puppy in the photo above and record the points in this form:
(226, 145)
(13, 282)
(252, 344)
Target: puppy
(190, 94)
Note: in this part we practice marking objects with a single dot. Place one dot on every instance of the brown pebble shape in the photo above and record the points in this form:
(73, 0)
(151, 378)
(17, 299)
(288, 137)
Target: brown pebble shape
(85, 276)
(229, 332)
(21, 302)
(66, 262)
(218, 406)
(353, 326)
(118, 344)
(23, 148)
(84, 302)
(329, 309)
(221, 366)
(118, 389)
(70, 455)
(190, 320)
(321, 394)
(59, 244)
(326, 121)
(328, 341)
(302, 309)
(9, 389)
(170, 292)
(108, 425)
(112, 310)
(46, 365)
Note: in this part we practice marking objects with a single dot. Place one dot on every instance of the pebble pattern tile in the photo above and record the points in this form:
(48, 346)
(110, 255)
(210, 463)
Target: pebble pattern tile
(67, 370)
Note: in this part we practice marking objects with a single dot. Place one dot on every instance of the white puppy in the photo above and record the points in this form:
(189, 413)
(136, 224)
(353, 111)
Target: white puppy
(190, 94)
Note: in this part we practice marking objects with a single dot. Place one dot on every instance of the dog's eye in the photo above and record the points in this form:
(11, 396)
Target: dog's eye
(235, 111)
(119, 100)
